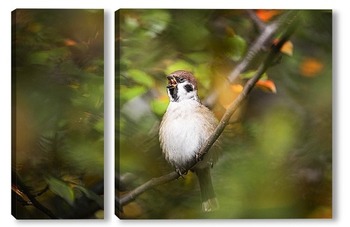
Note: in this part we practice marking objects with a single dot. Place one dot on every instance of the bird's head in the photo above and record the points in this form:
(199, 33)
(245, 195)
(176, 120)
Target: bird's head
(181, 86)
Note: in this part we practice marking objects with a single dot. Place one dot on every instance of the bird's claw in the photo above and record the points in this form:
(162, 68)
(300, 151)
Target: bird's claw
(198, 157)
(181, 171)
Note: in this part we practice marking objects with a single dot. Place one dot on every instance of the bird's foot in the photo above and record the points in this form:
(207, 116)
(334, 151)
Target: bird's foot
(181, 171)
(198, 157)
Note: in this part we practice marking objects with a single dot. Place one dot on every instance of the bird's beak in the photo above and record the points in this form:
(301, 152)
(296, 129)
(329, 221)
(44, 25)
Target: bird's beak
(171, 82)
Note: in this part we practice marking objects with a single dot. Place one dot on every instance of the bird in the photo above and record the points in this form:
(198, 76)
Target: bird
(184, 129)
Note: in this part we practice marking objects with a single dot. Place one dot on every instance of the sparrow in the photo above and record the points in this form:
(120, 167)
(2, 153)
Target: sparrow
(184, 129)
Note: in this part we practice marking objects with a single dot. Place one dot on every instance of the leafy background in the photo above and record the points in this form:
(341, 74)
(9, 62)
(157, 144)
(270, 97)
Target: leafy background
(277, 150)
(57, 101)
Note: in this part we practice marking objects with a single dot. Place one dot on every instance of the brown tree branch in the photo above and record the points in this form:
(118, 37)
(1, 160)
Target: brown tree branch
(269, 60)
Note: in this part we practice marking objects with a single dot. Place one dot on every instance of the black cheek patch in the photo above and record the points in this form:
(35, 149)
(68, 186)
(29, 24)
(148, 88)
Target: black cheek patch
(188, 87)
(173, 93)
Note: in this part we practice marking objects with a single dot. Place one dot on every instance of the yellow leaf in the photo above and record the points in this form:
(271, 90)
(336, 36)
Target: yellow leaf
(227, 97)
(237, 88)
(287, 47)
(132, 210)
(321, 212)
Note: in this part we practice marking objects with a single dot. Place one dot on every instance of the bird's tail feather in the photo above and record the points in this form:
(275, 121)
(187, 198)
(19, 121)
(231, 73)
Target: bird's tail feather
(209, 201)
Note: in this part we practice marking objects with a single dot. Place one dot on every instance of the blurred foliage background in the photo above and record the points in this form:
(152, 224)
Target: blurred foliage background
(58, 123)
(277, 150)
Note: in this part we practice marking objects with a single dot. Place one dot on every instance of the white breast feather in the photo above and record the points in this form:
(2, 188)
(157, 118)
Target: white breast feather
(185, 131)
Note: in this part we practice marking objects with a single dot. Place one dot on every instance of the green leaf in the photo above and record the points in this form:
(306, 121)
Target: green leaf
(91, 195)
(179, 65)
(61, 189)
(249, 74)
(157, 21)
(45, 56)
(203, 75)
(159, 106)
(198, 57)
(99, 125)
(127, 93)
(131, 23)
(237, 48)
(39, 58)
(141, 77)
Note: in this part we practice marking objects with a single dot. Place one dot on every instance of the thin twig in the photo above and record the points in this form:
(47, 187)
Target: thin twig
(274, 51)
(144, 187)
(255, 48)
(259, 23)
(18, 182)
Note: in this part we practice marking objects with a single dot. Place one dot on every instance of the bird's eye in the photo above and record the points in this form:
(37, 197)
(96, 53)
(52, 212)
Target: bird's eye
(181, 80)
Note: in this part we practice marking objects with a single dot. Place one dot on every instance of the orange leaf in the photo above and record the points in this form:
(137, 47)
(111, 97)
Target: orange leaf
(267, 85)
(267, 15)
(70, 42)
(310, 67)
